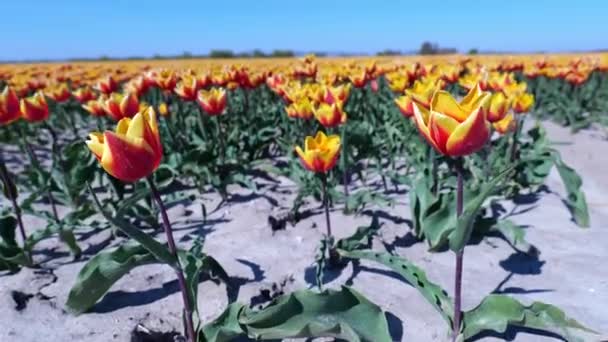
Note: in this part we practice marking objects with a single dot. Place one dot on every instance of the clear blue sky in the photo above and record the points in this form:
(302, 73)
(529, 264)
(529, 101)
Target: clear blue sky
(56, 29)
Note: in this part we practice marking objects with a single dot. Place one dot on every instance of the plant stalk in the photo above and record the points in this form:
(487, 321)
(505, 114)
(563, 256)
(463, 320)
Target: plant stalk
(344, 162)
(334, 257)
(459, 254)
(9, 187)
(189, 324)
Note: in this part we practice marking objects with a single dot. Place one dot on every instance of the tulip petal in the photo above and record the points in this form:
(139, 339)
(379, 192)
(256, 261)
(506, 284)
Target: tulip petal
(444, 103)
(441, 127)
(96, 144)
(469, 136)
(127, 158)
(421, 117)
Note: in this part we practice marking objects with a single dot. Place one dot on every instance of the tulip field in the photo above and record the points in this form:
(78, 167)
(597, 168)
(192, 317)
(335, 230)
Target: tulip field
(438, 198)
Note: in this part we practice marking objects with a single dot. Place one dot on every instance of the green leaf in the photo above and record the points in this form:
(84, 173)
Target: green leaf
(225, 328)
(64, 233)
(343, 314)
(414, 275)
(102, 271)
(8, 225)
(160, 251)
(515, 235)
(460, 237)
(361, 237)
(194, 262)
(577, 204)
(497, 312)
(11, 255)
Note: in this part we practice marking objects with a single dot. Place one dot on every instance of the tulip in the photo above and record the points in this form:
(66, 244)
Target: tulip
(9, 106)
(405, 105)
(83, 95)
(358, 78)
(34, 108)
(138, 86)
(330, 115)
(186, 88)
(507, 124)
(212, 101)
(320, 153)
(337, 94)
(523, 102)
(165, 79)
(133, 151)
(397, 82)
(95, 107)
(422, 92)
(120, 106)
(107, 85)
(496, 107)
(59, 93)
(302, 108)
(451, 128)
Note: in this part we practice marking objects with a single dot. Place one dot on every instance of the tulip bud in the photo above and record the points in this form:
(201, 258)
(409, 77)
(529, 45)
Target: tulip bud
(213, 101)
(320, 153)
(35, 108)
(133, 151)
(9, 106)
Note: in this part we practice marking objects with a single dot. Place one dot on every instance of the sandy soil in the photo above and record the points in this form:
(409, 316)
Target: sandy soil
(570, 271)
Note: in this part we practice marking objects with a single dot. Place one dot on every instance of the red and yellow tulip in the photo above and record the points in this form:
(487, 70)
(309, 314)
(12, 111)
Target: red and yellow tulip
(212, 101)
(320, 153)
(301, 108)
(452, 128)
(9, 106)
(119, 106)
(496, 107)
(405, 105)
(59, 93)
(133, 151)
(507, 124)
(422, 92)
(107, 85)
(83, 95)
(330, 115)
(95, 107)
(523, 102)
(187, 88)
(35, 107)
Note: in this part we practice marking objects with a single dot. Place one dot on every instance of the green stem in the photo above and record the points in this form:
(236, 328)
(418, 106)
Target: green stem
(344, 162)
(188, 311)
(459, 254)
(11, 193)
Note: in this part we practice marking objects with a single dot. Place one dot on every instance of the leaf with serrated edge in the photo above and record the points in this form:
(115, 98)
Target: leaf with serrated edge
(414, 275)
(497, 312)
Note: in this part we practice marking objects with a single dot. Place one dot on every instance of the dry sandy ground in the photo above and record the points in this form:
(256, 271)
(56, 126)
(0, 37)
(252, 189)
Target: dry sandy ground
(570, 272)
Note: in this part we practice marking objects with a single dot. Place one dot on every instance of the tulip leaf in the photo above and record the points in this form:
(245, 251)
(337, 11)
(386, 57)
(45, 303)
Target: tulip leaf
(194, 262)
(361, 238)
(224, 328)
(461, 235)
(576, 202)
(497, 312)
(414, 275)
(160, 251)
(11, 255)
(66, 235)
(515, 235)
(102, 271)
(344, 314)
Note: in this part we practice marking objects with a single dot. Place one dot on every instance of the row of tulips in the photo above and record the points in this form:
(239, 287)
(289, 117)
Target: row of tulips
(218, 123)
